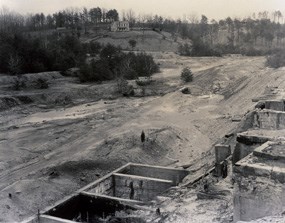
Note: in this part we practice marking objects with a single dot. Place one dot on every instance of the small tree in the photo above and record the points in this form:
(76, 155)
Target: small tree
(186, 75)
(276, 60)
(124, 88)
(132, 43)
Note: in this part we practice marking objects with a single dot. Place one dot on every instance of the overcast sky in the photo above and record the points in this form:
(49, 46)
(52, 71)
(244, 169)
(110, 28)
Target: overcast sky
(216, 9)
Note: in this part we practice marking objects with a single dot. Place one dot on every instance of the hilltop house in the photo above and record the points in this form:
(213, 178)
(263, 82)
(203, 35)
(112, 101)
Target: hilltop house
(120, 26)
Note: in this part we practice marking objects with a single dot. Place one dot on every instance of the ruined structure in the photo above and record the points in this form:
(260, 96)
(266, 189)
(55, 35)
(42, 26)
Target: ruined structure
(258, 175)
(260, 183)
(118, 191)
(259, 170)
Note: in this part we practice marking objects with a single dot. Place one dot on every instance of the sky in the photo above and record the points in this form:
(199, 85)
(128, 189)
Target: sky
(213, 9)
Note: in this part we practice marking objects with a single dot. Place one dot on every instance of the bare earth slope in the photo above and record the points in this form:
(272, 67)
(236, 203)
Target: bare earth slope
(48, 152)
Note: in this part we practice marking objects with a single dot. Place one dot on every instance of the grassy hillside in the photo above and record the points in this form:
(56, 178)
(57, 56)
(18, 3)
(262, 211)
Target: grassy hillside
(147, 40)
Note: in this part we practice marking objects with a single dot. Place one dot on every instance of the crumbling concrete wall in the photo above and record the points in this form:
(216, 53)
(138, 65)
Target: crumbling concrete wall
(268, 119)
(259, 191)
(104, 186)
(50, 219)
(165, 173)
(242, 150)
(139, 188)
(277, 105)
(256, 197)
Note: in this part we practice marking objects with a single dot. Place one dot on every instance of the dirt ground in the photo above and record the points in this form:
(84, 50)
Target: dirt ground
(71, 134)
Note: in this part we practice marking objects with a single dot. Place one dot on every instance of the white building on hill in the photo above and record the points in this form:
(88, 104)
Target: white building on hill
(120, 26)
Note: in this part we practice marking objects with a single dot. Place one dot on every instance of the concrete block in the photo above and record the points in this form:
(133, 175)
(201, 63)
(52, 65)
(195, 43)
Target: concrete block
(103, 187)
(222, 152)
(277, 105)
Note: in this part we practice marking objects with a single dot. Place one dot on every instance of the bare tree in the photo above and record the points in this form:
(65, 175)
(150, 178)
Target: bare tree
(10, 21)
(193, 18)
(130, 15)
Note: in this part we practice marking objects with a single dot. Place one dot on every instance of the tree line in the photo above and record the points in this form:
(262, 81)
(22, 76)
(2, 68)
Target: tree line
(19, 54)
(259, 34)
(262, 27)
(73, 18)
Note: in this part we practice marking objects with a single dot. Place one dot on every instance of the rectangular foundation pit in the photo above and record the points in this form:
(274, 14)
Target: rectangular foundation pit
(130, 187)
(137, 182)
(87, 208)
(120, 190)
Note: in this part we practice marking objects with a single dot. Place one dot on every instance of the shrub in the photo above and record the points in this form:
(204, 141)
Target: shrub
(132, 43)
(184, 50)
(198, 48)
(143, 81)
(19, 84)
(95, 71)
(85, 73)
(144, 64)
(113, 63)
(124, 88)
(130, 74)
(186, 75)
(41, 83)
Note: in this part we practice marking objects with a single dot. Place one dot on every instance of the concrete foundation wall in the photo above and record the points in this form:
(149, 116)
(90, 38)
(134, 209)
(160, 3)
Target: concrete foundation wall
(114, 192)
(259, 188)
(277, 105)
(257, 197)
(268, 119)
(139, 188)
(50, 219)
(241, 150)
(175, 175)
(106, 187)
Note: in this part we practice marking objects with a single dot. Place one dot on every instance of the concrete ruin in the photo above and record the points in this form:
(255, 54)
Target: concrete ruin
(260, 183)
(130, 185)
(258, 172)
(267, 124)
(259, 164)
(277, 105)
